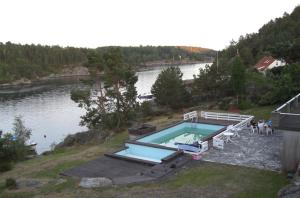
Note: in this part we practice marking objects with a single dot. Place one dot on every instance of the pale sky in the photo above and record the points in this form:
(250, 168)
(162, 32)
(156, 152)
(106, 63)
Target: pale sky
(93, 23)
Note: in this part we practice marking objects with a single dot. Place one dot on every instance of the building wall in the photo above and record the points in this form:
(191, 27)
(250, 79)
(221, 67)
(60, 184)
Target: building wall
(290, 154)
(276, 63)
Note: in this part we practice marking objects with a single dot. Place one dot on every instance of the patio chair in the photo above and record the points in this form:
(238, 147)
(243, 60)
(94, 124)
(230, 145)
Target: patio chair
(260, 127)
(269, 130)
(253, 129)
(234, 130)
(218, 143)
(204, 146)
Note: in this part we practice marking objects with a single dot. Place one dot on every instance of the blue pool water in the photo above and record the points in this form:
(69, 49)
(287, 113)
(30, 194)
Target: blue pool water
(185, 132)
(145, 152)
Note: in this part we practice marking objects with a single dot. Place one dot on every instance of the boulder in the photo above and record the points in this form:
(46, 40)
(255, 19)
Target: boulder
(95, 182)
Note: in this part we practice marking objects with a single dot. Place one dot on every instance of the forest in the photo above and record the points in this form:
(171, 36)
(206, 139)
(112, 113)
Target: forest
(234, 74)
(34, 61)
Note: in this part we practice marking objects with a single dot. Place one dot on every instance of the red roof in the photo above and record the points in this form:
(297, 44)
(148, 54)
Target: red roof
(264, 63)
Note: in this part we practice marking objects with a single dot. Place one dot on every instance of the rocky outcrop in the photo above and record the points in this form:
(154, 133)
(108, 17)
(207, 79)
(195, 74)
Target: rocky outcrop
(83, 138)
(67, 71)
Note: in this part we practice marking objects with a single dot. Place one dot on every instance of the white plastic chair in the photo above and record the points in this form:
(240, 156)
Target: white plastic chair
(254, 129)
(218, 143)
(204, 146)
(236, 132)
(269, 130)
(260, 128)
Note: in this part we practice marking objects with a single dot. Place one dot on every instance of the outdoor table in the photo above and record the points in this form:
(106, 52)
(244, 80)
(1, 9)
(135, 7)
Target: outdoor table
(228, 135)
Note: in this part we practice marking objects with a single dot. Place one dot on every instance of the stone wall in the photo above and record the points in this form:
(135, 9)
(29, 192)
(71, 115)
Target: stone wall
(290, 154)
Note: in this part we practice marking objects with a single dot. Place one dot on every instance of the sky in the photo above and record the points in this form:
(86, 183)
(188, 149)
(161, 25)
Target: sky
(94, 23)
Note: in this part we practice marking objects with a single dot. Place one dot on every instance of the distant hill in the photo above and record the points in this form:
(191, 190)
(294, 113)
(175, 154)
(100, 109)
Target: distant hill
(195, 49)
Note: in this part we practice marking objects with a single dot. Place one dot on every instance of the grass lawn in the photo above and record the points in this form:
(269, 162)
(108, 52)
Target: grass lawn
(260, 113)
(207, 179)
(203, 180)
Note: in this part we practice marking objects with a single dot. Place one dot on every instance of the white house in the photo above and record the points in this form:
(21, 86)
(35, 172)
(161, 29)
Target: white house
(267, 63)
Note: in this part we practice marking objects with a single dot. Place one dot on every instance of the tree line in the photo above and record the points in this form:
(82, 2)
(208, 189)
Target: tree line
(34, 61)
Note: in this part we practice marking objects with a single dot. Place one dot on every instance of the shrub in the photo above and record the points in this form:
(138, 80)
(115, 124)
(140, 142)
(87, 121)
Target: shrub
(5, 166)
(146, 108)
(11, 183)
(245, 104)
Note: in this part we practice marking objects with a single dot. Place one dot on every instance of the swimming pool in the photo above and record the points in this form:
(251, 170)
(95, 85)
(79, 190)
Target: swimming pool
(145, 153)
(185, 132)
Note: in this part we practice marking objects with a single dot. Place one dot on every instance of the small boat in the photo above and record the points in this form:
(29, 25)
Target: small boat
(145, 96)
(31, 145)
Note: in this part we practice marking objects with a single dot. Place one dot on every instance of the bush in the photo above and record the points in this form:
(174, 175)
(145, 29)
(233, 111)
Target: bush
(5, 166)
(245, 104)
(146, 108)
(11, 183)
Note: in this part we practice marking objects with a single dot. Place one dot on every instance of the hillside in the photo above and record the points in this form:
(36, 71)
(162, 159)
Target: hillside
(36, 61)
(235, 75)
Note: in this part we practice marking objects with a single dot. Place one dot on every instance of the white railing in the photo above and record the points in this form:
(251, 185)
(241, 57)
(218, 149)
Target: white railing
(224, 116)
(243, 122)
(296, 98)
(190, 115)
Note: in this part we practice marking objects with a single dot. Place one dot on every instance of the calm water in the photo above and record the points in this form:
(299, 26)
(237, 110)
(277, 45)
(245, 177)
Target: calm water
(54, 114)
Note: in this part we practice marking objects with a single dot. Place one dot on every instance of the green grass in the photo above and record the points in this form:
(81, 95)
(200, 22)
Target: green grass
(262, 112)
(57, 188)
(56, 170)
(244, 182)
(117, 141)
(13, 194)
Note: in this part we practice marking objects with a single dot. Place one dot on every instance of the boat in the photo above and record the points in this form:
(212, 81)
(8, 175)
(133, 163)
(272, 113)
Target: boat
(146, 96)
(31, 145)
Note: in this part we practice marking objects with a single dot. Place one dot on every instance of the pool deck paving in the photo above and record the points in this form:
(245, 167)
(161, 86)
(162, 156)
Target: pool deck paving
(250, 150)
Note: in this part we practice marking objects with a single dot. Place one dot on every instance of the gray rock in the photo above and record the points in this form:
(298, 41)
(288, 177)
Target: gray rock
(290, 191)
(60, 181)
(95, 182)
(29, 183)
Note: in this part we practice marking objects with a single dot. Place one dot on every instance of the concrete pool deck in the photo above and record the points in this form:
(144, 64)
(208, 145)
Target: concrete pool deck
(249, 150)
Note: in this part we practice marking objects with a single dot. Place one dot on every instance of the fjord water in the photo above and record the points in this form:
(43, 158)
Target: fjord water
(52, 115)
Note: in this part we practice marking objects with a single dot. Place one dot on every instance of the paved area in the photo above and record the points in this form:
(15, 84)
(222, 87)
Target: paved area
(126, 172)
(250, 150)
(106, 167)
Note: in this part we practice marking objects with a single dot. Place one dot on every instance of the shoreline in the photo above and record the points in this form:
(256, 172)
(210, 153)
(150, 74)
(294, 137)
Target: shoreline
(154, 66)
(27, 86)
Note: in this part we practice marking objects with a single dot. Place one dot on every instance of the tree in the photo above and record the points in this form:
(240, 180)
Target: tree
(12, 146)
(21, 133)
(238, 77)
(116, 104)
(169, 89)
